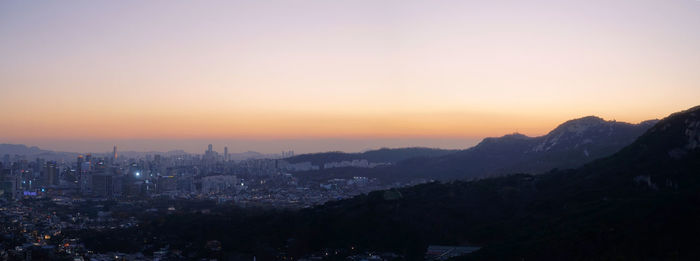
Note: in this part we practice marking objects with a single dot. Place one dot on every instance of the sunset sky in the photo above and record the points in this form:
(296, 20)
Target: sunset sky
(335, 75)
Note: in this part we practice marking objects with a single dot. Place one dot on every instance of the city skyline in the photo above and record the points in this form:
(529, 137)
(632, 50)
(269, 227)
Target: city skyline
(354, 74)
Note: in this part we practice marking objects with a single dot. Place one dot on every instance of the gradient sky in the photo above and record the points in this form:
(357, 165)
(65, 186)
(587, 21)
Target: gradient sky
(335, 75)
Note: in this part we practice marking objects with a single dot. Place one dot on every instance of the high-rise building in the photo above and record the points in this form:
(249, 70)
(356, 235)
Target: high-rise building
(85, 177)
(6, 160)
(79, 168)
(102, 185)
(9, 184)
(210, 155)
(287, 154)
(167, 184)
(226, 154)
(114, 154)
(50, 174)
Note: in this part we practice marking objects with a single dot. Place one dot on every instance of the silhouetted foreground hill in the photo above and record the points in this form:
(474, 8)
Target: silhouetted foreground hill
(570, 145)
(641, 203)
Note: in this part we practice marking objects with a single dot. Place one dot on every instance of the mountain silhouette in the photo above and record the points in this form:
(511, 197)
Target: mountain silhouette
(570, 145)
(640, 203)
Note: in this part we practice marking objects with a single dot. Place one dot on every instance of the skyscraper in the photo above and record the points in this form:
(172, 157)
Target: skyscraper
(79, 166)
(210, 155)
(102, 185)
(9, 184)
(50, 174)
(84, 178)
(225, 153)
(114, 154)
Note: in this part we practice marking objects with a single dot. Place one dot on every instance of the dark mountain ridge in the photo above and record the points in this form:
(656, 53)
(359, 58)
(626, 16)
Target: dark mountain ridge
(570, 145)
(640, 203)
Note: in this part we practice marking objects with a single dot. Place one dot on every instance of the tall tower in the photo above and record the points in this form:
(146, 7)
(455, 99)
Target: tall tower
(210, 148)
(114, 154)
(225, 153)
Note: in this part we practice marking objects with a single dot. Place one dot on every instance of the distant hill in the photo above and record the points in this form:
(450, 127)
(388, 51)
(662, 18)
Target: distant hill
(19, 149)
(383, 155)
(34, 152)
(31, 153)
(570, 145)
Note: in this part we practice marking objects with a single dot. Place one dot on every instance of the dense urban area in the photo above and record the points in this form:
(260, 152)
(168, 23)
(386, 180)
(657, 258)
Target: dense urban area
(47, 205)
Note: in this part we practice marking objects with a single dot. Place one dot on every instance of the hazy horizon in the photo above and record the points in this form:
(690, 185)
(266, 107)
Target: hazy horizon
(396, 73)
(299, 146)
(270, 146)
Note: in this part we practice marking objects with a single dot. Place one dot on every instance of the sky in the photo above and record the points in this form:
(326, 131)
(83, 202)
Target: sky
(335, 75)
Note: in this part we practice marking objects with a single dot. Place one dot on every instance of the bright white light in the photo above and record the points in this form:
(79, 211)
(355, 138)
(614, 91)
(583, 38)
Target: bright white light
(138, 174)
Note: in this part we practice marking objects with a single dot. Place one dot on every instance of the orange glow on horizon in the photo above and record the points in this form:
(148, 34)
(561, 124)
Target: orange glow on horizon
(283, 125)
(339, 69)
